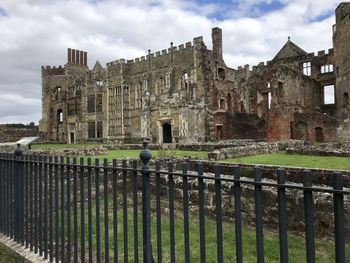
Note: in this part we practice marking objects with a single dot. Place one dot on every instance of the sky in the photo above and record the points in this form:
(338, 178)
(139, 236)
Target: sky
(35, 33)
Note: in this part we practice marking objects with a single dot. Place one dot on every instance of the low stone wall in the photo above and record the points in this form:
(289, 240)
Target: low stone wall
(14, 132)
(252, 149)
(339, 149)
(324, 214)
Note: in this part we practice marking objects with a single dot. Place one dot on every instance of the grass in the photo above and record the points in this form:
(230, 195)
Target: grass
(6, 258)
(324, 248)
(287, 160)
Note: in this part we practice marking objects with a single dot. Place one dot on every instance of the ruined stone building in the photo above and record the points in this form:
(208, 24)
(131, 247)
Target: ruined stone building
(186, 93)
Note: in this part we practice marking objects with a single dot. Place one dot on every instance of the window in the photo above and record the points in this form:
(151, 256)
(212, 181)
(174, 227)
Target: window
(185, 80)
(280, 89)
(59, 89)
(91, 103)
(345, 98)
(328, 94)
(269, 98)
(326, 68)
(71, 108)
(307, 68)
(98, 102)
(99, 129)
(59, 116)
(99, 82)
(91, 130)
(222, 104)
(221, 73)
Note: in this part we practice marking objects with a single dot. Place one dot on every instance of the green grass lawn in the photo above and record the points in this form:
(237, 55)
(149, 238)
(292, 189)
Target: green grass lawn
(288, 160)
(324, 248)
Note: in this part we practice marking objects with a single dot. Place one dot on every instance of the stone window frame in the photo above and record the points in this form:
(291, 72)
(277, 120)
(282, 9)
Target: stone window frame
(185, 80)
(60, 116)
(326, 102)
(222, 104)
(327, 68)
(307, 68)
(221, 73)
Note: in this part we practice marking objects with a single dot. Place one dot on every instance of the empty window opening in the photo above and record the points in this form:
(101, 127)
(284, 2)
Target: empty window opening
(99, 129)
(99, 82)
(326, 68)
(91, 130)
(60, 116)
(167, 134)
(346, 98)
(280, 89)
(221, 73)
(319, 134)
(185, 80)
(222, 104)
(307, 68)
(328, 94)
(269, 98)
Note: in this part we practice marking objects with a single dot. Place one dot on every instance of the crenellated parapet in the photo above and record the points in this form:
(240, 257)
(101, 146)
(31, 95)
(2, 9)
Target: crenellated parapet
(47, 70)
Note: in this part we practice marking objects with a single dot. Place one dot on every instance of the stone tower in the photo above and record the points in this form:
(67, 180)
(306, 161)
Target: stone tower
(341, 36)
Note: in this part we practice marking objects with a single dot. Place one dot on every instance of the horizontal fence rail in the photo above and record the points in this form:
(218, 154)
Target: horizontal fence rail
(70, 210)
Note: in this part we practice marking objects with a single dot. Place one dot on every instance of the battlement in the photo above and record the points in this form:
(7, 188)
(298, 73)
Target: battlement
(47, 70)
(159, 54)
(76, 57)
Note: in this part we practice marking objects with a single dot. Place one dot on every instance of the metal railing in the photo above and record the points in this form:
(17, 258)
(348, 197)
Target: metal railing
(42, 199)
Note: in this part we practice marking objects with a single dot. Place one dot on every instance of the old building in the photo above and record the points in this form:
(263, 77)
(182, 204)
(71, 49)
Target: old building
(186, 93)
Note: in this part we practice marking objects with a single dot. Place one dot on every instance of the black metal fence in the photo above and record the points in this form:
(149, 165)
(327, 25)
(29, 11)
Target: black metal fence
(52, 205)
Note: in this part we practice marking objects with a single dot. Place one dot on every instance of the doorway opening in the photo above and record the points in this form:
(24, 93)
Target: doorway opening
(167, 136)
(72, 137)
(319, 134)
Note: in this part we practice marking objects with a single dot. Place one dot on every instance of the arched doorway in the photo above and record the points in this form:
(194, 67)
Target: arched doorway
(71, 137)
(167, 135)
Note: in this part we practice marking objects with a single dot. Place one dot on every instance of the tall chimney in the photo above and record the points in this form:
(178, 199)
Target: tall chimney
(216, 36)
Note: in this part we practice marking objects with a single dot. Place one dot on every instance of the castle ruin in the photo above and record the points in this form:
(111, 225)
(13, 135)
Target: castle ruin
(187, 94)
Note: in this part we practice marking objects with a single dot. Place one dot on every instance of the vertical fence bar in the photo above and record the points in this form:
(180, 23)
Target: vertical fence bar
(201, 211)
(26, 194)
(51, 233)
(36, 224)
(282, 215)
(159, 213)
(75, 208)
(145, 156)
(19, 195)
(40, 201)
(259, 216)
(89, 209)
(63, 241)
(125, 212)
(82, 211)
(309, 218)
(56, 177)
(2, 211)
(45, 214)
(115, 210)
(13, 219)
(31, 202)
(69, 240)
(6, 199)
(171, 211)
(218, 210)
(97, 190)
(238, 215)
(105, 188)
(185, 211)
(338, 200)
(135, 208)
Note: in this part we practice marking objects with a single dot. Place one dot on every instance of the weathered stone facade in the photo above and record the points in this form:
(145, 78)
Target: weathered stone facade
(15, 132)
(187, 94)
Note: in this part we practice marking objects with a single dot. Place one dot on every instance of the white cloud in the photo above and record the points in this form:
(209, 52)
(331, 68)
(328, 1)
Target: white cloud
(37, 32)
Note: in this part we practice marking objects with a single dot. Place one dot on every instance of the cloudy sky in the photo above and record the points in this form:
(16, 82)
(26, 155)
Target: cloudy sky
(37, 32)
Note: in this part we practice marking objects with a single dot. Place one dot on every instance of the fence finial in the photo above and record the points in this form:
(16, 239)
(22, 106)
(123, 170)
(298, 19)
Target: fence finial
(18, 151)
(145, 154)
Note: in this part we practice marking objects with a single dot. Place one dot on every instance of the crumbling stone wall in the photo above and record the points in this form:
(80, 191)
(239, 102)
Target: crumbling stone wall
(14, 132)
